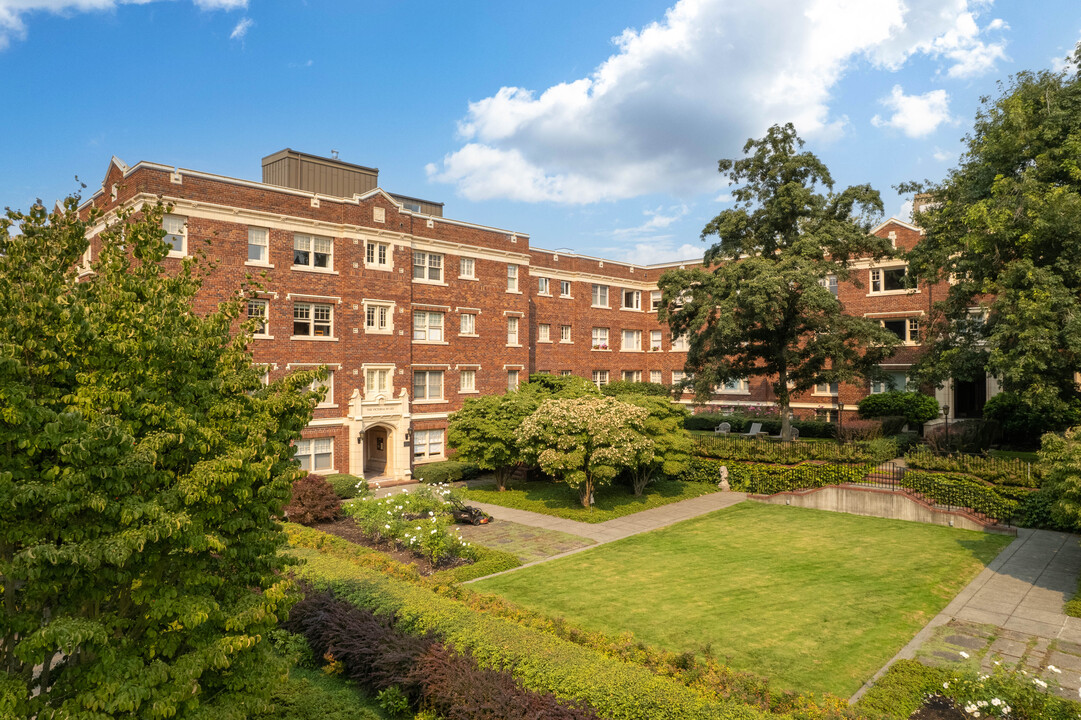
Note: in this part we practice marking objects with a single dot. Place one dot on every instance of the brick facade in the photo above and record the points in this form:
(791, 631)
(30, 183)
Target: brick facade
(468, 270)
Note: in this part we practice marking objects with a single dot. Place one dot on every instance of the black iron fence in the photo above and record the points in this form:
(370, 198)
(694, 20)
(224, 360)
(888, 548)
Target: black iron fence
(997, 470)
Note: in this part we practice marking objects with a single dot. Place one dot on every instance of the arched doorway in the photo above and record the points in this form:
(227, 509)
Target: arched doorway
(377, 455)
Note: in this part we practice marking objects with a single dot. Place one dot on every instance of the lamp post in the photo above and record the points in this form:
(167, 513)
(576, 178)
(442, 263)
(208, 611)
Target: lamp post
(946, 417)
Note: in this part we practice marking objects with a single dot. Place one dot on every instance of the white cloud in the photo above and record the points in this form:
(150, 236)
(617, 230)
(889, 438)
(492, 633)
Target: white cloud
(915, 115)
(681, 93)
(13, 12)
(905, 213)
(658, 219)
(1064, 62)
(241, 29)
(943, 155)
(655, 250)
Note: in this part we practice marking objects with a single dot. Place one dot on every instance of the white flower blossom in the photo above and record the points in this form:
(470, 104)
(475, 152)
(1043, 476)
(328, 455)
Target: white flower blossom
(996, 702)
(964, 655)
(1053, 669)
(1038, 681)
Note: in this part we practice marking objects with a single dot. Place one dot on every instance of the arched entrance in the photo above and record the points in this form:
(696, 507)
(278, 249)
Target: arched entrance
(377, 455)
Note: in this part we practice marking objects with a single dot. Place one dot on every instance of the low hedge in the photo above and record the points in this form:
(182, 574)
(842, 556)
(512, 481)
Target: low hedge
(446, 471)
(771, 479)
(347, 486)
(742, 424)
(902, 690)
(537, 660)
(960, 491)
(1000, 471)
(751, 450)
(313, 695)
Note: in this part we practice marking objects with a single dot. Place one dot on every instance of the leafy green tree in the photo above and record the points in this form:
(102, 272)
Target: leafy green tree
(143, 468)
(762, 309)
(1005, 228)
(559, 386)
(669, 450)
(914, 407)
(627, 387)
(585, 442)
(1060, 465)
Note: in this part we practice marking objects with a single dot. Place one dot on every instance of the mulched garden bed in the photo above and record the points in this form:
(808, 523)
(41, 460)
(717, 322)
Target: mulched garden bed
(346, 529)
(937, 707)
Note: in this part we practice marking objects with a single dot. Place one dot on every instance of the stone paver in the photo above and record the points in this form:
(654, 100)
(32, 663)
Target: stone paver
(1012, 614)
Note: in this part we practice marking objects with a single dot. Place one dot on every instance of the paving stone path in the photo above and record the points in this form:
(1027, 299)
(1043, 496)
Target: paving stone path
(1012, 614)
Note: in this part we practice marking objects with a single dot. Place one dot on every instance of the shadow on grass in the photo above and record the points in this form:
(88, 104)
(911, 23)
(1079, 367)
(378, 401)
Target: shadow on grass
(555, 495)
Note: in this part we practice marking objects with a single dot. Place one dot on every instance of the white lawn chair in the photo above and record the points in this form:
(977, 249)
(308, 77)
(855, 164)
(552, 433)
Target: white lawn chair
(723, 429)
(756, 430)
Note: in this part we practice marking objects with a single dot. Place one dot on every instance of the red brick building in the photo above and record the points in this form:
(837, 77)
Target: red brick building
(413, 313)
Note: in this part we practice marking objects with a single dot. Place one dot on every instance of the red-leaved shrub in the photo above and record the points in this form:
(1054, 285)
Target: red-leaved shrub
(314, 500)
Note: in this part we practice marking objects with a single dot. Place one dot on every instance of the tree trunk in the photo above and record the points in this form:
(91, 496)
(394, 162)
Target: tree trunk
(784, 402)
(586, 493)
(501, 476)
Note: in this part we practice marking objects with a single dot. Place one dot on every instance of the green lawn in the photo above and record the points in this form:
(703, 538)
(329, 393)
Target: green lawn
(814, 600)
(559, 499)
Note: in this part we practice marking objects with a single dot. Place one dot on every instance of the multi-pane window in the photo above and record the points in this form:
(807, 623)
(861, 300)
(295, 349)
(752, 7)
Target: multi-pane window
(467, 381)
(376, 254)
(512, 331)
(467, 324)
(512, 278)
(313, 251)
(176, 234)
(315, 454)
(632, 376)
(313, 319)
(600, 378)
(632, 340)
(600, 296)
(655, 300)
(512, 379)
(888, 280)
(427, 326)
(377, 382)
(427, 384)
(655, 376)
(679, 344)
(427, 266)
(542, 286)
(544, 332)
(564, 288)
(826, 389)
(565, 333)
(258, 245)
(427, 443)
(600, 338)
(257, 310)
(830, 283)
(377, 318)
(906, 329)
(740, 385)
(655, 340)
(632, 299)
(678, 376)
(566, 373)
(467, 268)
(893, 381)
(325, 388)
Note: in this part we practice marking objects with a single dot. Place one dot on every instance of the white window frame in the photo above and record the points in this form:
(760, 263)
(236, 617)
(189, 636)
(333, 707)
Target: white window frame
(467, 324)
(259, 238)
(313, 245)
(656, 341)
(565, 289)
(599, 297)
(600, 378)
(656, 376)
(911, 335)
(428, 378)
(428, 264)
(827, 389)
(312, 321)
(631, 376)
(635, 297)
(427, 439)
(566, 334)
(378, 255)
(830, 283)
(378, 318)
(738, 387)
(315, 449)
(467, 268)
(512, 379)
(680, 344)
(631, 341)
(467, 380)
(264, 316)
(877, 277)
(512, 278)
(678, 376)
(655, 297)
(544, 332)
(328, 397)
(428, 331)
(378, 380)
(512, 331)
(176, 226)
(600, 339)
(544, 286)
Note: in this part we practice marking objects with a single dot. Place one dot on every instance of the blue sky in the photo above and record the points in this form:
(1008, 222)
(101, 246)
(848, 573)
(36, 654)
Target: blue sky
(590, 126)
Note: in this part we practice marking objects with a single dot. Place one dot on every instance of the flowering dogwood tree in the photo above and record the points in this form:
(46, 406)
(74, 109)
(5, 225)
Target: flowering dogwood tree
(585, 442)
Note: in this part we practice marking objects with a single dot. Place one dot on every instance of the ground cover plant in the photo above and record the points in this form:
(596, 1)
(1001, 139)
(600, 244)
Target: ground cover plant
(998, 470)
(560, 500)
(525, 542)
(786, 592)
(754, 450)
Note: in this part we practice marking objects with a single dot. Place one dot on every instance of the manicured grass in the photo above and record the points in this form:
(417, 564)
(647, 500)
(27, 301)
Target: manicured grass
(525, 542)
(552, 498)
(817, 601)
(1027, 456)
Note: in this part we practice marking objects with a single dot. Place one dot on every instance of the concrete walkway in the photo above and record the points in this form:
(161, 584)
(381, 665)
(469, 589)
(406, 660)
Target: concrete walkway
(1011, 613)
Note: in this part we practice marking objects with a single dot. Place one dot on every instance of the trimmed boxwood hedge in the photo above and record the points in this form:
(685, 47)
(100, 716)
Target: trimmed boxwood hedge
(771, 479)
(446, 471)
(902, 690)
(960, 491)
(742, 424)
(347, 486)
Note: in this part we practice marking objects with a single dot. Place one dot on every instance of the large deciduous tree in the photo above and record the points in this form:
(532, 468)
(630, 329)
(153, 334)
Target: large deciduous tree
(585, 442)
(143, 466)
(670, 447)
(762, 308)
(1005, 228)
